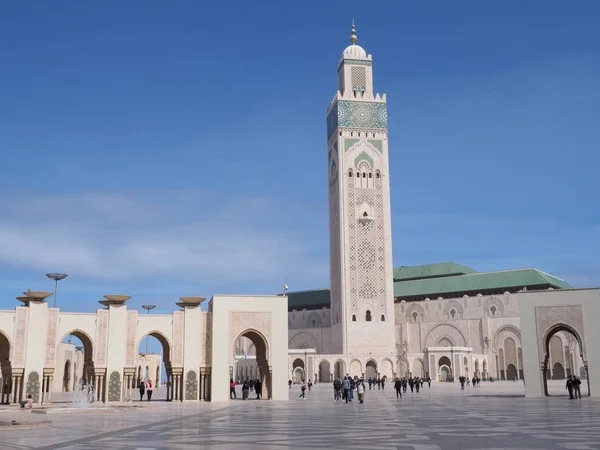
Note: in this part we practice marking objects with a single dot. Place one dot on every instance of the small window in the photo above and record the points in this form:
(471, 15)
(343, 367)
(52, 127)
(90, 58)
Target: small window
(493, 311)
(377, 174)
(414, 316)
(370, 175)
(353, 317)
(368, 316)
(452, 313)
(365, 214)
(364, 175)
(350, 173)
(382, 318)
(314, 323)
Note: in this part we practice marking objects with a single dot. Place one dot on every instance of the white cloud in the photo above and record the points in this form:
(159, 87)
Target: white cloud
(185, 235)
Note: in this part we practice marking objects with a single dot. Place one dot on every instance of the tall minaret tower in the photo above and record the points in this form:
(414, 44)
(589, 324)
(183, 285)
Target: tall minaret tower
(362, 296)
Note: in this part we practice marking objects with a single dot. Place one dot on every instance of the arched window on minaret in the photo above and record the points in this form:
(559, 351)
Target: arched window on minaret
(353, 317)
(349, 172)
(382, 318)
(368, 316)
(377, 174)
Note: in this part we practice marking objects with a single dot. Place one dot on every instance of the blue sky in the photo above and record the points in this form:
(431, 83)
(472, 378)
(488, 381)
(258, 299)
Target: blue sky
(163, 149)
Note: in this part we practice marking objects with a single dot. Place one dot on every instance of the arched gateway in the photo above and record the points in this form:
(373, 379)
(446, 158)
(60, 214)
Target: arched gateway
(196, 348)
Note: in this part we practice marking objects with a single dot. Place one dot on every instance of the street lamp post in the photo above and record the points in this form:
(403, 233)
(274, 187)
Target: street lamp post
(148, 308)
(56, 277)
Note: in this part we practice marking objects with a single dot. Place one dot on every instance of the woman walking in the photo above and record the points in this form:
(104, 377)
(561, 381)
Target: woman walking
(142, 388)
(149, 389)
(303, 390)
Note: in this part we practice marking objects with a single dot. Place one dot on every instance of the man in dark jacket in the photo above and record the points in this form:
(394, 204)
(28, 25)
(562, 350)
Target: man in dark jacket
(570, 387)
(398, 387)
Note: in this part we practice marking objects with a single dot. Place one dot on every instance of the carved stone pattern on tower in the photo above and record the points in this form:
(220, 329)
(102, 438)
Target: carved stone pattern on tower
(178, 320)
(358, 77)
(131, 326)
(208, 340)
(355, 62)
(332, 120)
(51, 339)
(20, 333)
(549, 316)
(101, 335)
(351, 220)
(361, 114)
(243, 321)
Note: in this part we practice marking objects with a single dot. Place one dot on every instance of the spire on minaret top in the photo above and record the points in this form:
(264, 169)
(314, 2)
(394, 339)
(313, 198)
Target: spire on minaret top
(354, 51)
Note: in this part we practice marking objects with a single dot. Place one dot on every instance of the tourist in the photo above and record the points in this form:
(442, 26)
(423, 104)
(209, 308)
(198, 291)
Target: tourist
(398, 387)
(149, 389)
(337, 388)
(370, 383)
(258, 389)
(245, 390)
(289, 384)
(576, 387)
(383, 380)
(303, 390)
(27, 403)
(232, 389)
(404, 385)
(310, 385)
(345, 388)
(428, 381)
(461, 379)
(351, 390)
(570, 387)
(142, 388)
(411, 383)
(474, 381)
(360, 389)
(417, 384)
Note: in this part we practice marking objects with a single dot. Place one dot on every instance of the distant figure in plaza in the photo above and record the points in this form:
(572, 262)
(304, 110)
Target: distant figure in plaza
(576, 387)
(428, 381)
(303, 390)
(232, 389)
(142, 388)
(360, 390)
(461, 379)
(383, 380)
(379, 384)
(404, 385)
(570, 387)
(337, 389)
(149, 389)
(467, 380)
(310, 384)
(422, 380)
(345, 388)
(289, 384)
(474, 381)
(417, 384)
(352, 383)
(258, 389)
(370, 383)
(245, 390)
(398, 387)
(27, 403)
(411, 383)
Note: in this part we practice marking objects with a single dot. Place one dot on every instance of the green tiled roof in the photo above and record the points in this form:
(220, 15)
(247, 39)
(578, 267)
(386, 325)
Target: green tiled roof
(309, 299)
(475, 282)
(445, 269)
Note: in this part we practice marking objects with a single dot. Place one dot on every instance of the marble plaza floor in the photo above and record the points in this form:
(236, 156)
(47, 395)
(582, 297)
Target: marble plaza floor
(495, 416)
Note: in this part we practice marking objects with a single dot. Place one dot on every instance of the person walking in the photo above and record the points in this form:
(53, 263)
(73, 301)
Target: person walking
(258, 389)
(576, 387)
(346, 388)
(360, 389)
(290, 384)
(142, 388)
(303, 390)
(398, 388)
(232, 389)
(570, 387)
(149, 390)
(337, 388)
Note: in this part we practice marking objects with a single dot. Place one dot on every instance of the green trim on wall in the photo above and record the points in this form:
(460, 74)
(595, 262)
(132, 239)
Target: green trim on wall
(350, 142)
(377, 144)
(363, 157)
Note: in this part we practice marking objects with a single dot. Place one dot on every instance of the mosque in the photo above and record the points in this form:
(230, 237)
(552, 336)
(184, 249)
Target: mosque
(438, 320)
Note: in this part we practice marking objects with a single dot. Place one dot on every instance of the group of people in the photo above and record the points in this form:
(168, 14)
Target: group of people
(466, 380)
(344, 389)
(574, 387)
(247, 387)
(146, 387)
(415, 383)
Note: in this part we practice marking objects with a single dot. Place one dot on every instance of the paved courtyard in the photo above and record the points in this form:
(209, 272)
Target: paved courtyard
(492, 417)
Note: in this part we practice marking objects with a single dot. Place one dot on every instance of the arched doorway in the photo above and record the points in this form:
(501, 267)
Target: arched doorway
(5, 370)
(445, 368)
(298, 370)
(88, 379)
(262, 361)
(325, 372)
(558, 368)
(558, 371)
(511, 372)
(153, 359)
(371, 369)
(67, 376)
(339, 369)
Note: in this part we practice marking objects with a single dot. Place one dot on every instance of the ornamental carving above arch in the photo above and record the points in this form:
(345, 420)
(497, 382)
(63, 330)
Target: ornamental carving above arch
(504, 332)
(453, 305)
(415, 308)
(495, 303)
(445, 330)
(550, 319)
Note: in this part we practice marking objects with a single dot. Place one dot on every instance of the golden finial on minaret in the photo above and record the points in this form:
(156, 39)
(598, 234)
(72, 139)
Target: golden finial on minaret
(353, 36)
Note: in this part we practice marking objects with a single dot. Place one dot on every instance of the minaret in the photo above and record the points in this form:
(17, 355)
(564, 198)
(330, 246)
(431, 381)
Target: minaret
(362, 297)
